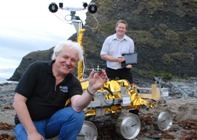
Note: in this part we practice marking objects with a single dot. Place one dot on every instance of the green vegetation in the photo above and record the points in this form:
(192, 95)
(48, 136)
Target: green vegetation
(154, 5)
(164, 75)
(166, 59)
(108, 27)
(172, 36)
(90, 46)
(188, 38)
(150, 73)
(104, 5)
(144, 37)
(188, 6)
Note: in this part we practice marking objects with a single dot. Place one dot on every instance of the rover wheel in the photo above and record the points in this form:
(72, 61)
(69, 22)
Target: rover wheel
(128, 125)
(164, 120)
(88, 131)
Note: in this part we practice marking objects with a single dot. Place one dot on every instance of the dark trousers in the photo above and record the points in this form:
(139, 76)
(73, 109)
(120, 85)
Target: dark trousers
(120, 74)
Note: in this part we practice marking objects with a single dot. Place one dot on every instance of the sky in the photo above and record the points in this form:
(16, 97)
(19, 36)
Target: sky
(28, 25)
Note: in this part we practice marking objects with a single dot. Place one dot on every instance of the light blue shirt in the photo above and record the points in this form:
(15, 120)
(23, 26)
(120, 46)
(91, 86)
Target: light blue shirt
(115, 47)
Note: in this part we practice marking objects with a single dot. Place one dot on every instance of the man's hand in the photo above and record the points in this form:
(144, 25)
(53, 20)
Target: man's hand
(35, 136)
(120, 59)
(129, 66)
(97, 80)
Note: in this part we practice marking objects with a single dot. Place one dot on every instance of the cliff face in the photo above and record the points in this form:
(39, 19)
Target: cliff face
(164, 33)
(30, 58)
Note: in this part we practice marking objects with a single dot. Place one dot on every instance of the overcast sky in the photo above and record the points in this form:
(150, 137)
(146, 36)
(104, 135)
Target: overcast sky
(28, 25)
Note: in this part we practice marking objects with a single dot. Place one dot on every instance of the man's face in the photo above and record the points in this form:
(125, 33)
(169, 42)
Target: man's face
(121, 29)
(66, 60)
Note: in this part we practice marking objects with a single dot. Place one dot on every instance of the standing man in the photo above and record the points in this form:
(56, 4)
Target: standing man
(43, 90)
(113, 47)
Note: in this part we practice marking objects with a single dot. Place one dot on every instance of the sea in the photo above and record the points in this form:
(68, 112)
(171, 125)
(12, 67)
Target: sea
(4, 80)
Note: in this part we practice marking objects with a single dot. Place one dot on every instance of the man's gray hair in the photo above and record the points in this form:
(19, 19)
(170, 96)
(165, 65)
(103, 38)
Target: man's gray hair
(58, 48)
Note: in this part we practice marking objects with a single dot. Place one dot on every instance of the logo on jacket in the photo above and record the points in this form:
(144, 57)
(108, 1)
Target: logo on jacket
(64, 88)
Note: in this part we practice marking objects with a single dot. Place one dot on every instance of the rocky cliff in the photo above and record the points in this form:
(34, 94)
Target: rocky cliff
(164, 33)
